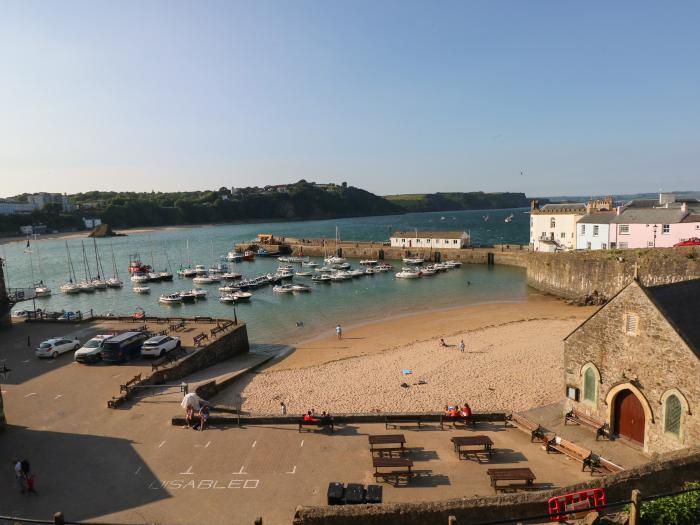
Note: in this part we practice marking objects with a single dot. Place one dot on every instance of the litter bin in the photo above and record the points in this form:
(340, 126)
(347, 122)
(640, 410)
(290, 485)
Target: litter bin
(374, 494)
(335, 493)
(354, 494)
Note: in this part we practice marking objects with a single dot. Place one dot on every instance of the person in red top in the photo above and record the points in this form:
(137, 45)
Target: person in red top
(454, 411)
(467, 410)
(309, 417)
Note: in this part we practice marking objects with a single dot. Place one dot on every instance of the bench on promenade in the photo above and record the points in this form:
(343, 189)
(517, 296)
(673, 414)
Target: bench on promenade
(199, 339)
(607, 465)
(535, 429)
(125, 388)
(572, 450)
(580, 418)
(203, 319)
(404, 464)
(465, 420)
(168, 358)
(175, 327)
(401, 420)
(511, 474)
(216, 330)
(317, 423)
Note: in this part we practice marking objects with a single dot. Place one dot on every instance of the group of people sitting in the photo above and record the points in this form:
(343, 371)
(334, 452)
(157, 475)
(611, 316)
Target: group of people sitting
(455, 411)
(324, 418)
(194, 404)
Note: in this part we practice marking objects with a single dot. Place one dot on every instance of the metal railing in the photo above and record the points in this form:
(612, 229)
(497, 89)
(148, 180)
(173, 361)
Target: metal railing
(15, 295)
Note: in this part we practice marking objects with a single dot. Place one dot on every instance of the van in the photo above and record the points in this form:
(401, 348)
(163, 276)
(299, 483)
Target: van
(123, 347)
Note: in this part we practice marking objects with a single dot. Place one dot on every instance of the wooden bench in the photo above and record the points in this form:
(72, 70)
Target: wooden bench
(466, 420)
(511, 474)
(600, 464)
(217, 330)
(580, 418)
(168, 358)
(393, 463)
(572, 450)
(320, 424)
(535, 429)
(127, 386)
(175, 327)
(199, 339)
(398, 421)
(203, 319)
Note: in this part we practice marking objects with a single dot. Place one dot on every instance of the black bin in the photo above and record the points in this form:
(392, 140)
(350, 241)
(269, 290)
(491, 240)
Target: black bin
(374, 494)
(354, 494)
(335, 493)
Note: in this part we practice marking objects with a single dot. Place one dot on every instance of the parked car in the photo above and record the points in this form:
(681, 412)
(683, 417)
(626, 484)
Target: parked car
(90, 351)
(122, 347)
(160, 345)
(70, 316)
(57, 345)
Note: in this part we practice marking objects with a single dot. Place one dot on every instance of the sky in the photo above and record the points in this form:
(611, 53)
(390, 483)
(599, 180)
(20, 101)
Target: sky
(546, 98)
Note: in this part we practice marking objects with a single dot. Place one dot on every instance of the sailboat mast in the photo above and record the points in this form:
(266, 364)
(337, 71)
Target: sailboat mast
(97, 259)
(114, 262)
(86, 264)
(31, 262)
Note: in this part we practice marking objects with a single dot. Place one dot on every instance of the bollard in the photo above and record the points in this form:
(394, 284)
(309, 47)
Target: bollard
(29, 341)
(58, 519)
(635, 507)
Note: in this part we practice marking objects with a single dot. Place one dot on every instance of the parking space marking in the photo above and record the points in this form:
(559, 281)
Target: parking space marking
(207, 445)
(30, 394)
(254, 443)
(188, 472)
(58, 396)
(293, 471)
(161, 444)
(301, 444)
(115, 376)
(242, 471)
(137, 471)
(25, 362)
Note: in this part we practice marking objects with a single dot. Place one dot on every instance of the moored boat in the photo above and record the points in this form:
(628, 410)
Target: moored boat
(141, 289)
(413, 260)
(283, 288)
(171, 298)
(407, 273)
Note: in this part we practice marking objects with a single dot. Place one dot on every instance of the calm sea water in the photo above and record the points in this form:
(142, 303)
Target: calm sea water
(270, 316)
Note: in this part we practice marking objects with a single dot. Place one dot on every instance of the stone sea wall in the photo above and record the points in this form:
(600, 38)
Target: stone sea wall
(4, 303)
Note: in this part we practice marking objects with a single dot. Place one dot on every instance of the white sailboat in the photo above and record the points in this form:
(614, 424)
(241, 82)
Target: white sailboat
(114, 281)
(71, 287)
(98, 281)
(40, 289)
(86, 285)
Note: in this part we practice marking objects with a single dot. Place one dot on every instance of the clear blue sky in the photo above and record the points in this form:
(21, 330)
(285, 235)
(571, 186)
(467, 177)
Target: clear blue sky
(583, 97)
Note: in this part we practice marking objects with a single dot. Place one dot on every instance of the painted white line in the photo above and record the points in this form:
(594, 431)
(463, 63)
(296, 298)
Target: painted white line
(254, 443)
(161, 444)
(207, 445)
(58, 396)
(31, 394)
(188, 472)
(137, 471)
(25, 362)
(293, 471)
(115, 376)
(301, 444)
(4, 391)
(242, 471)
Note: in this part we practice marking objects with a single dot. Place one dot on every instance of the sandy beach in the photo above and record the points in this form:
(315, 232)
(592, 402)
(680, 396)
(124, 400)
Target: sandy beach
(512, 361)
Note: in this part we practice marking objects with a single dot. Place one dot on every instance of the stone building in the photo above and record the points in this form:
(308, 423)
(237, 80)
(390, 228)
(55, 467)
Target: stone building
(635, 364)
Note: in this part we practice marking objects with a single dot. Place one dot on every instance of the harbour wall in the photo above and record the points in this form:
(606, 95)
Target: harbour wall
(665, 474)
(4, 301)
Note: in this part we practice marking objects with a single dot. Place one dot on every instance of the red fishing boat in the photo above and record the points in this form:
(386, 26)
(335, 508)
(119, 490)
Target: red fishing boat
(135, 265)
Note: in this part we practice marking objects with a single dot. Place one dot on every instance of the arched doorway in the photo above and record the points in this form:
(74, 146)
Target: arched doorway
(629, 417)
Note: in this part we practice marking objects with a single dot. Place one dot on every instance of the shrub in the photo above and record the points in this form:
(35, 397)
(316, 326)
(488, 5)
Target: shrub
(682, 509)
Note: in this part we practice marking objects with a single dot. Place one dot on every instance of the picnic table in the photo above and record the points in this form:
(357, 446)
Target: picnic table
(483, 442)
(401, 467)
(510, 474)
(387, 443)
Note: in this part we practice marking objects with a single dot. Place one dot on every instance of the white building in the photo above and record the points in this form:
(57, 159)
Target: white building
(593, 231)
(553, 226)
(12, 207)
(91, 222)
(434, 239)
(40, 200)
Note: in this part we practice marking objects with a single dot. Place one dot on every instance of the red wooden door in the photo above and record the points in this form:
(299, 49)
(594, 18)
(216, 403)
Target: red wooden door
(629, 417)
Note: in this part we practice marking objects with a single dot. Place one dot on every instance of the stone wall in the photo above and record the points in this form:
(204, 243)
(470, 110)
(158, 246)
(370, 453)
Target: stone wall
(599, 275)
(650, 363)
(667, 474)
(4, 303)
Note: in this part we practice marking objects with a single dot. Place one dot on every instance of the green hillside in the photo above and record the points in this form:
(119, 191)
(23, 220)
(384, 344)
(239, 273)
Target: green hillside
(477, 200)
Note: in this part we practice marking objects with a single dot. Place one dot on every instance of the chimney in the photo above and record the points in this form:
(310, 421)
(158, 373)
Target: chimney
(534, 205)
(684, 207)
(620, 209)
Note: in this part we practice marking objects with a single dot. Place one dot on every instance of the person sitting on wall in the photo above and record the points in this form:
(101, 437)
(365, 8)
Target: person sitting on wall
(454, 411)
(203, 416)
(466, 411)
(189, 416)
(309, 417)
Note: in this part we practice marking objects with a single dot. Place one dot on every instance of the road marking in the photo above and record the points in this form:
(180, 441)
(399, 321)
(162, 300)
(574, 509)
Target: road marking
(4, 391)
(25, 361)
(293, 471)
(115, 376)
(240, 471)
(137, 471)
(254, 443)
(188, 472)
(31, 394)
(161, 444)
(207, 445)
(58, 396)
(301, 444)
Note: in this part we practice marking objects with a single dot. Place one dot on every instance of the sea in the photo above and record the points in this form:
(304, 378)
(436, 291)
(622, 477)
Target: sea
(275, 317)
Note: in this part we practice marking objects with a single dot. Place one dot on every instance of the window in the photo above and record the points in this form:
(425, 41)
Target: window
(455, 241)
(603, 246)
(552, 223)
(623, 245)
(403, 240)
(563, 235)
(624, 229)
(665, 229)
(672, 415)
(589, 385)
(588, 246)
(595, 230)
(650, 244)
(631, 324)
(583, 229)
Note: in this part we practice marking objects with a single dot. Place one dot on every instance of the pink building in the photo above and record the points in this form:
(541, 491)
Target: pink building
(653, 227)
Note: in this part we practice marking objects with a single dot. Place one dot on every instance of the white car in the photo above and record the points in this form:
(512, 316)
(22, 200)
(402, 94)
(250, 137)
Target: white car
(57, 345)
(90, 351)
(159, 345)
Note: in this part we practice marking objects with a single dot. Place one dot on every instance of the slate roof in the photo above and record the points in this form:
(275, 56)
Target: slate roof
(577, 206)
(430, 235)
(601, 217)
(679, 303)
(649, 216)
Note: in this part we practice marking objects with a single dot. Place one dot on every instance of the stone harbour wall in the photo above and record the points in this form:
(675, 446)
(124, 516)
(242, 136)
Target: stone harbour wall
(4, 302)
(669, 473)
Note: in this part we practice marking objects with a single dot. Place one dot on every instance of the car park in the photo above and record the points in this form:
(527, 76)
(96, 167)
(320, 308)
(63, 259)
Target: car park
(91, 351)
(160, 345)
(122, 347)
(57, 345)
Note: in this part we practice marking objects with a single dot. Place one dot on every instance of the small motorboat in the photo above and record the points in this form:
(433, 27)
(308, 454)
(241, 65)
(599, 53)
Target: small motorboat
(204, 279)
(227, 298)
(428, 270)
(368, 262)
(242, 296)
(325, 269)
(510, 218)
(371, 271)
(187, 272)
(322, 278)
(356, 273)
(171, 298)
(42, 290)
(200, 269)
(265, 253)
(139, 278)
(301, 287)
(249, 255)
(199, 293)
(231, 276)
(114, 282)
(333, 259)
(283, 288)
(413, 260)
(310, 264)
(285, 274)
(303, 274)
(453, 264)
(229, 288)
(187, 297)
(141, 289)
(234, 257)
(340, 276)
(406, 273)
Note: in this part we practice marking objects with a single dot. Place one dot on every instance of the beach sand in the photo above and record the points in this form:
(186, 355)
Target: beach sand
(513, 361)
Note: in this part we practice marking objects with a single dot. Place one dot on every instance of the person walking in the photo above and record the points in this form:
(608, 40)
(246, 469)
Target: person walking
(339, 332)
(19, 475)
(461, 346)
(283, 408)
